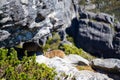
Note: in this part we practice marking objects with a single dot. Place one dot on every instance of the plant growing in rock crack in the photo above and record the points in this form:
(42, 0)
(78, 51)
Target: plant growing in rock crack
(52, 43)
(70, 39)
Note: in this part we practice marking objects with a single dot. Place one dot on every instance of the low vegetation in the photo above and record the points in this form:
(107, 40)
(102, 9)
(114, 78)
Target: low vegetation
(11, 68)
(71, 49)
(52, 43)
(108, 6)
(70, 39)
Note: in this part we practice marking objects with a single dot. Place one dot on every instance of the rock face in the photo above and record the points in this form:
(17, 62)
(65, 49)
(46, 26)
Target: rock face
(67, 71)
(96, 34)
(4, 35)
(108, 65)
(33, 20)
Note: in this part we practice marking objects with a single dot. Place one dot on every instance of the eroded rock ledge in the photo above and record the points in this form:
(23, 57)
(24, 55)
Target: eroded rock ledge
(33, 20)
(96, 33)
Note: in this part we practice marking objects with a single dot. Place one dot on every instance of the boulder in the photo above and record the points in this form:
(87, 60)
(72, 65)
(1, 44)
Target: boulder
(76, 59)
(109, 65)
(64, 69)
(33, 20)
(89, 75)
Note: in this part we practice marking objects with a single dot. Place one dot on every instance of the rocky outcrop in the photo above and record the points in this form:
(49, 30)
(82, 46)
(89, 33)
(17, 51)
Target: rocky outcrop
(108, 65)
(95, 33)
(33, 20)
(67, 71)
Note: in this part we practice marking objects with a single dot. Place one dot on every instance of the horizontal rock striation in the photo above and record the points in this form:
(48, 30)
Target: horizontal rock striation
(96, 33)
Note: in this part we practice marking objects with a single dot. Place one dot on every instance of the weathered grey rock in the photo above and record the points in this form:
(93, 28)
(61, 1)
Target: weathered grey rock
(4, 35)
(96, 34)
(25, 19)
(95, 37)
(116, 43)
(24, 2)
(42, 35)
(101, 17)
(105, 18)
(61, 66)
(67, 71)
(86, 15)
(117, 27)
(62, 34)
(76, 59)
(89, 75)
(108, 65)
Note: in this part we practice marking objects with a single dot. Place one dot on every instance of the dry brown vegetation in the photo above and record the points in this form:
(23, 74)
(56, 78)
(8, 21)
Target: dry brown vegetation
(84, 68)
(54, 53)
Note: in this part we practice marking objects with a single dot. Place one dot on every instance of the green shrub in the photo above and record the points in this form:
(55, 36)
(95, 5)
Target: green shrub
(71, 49)
(11, 68)
(52, 43)
(3, 53)
(70, 39)
(82, 2)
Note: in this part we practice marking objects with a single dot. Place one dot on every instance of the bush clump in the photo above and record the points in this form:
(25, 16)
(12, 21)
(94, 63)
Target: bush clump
(11, 68)
(71, 49)
(52, 43)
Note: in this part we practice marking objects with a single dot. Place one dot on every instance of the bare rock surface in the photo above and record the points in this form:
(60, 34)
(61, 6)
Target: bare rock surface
(109, 65)
(67, 71)
(33, 20)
